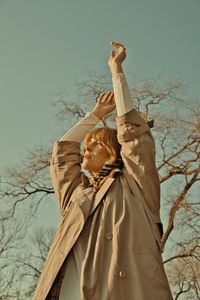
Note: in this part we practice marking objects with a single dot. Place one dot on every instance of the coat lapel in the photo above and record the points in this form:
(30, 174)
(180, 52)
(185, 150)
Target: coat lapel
(100, 194)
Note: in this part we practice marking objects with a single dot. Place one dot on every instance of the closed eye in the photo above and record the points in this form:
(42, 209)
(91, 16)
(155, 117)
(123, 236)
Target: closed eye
(92, 145)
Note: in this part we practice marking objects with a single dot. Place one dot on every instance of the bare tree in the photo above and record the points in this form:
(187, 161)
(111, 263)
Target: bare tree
(177, 133)
(24, 266)
(28, 264)
(12, 233)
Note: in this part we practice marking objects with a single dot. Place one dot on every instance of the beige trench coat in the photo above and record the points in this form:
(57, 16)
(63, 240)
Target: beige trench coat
(117, 227)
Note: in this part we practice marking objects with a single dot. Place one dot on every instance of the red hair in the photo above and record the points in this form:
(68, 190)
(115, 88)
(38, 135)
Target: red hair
(108, 138)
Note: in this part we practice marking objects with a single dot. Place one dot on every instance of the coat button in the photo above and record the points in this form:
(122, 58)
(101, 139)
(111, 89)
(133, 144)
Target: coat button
(122, 274)
(109, 236)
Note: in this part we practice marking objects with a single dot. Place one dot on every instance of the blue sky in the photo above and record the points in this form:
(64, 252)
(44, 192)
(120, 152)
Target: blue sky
(47, 45)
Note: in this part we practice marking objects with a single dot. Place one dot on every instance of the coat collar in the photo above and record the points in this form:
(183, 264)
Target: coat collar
(88, 199)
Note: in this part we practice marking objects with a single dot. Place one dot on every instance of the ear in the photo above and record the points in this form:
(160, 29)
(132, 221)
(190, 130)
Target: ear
(110, 160)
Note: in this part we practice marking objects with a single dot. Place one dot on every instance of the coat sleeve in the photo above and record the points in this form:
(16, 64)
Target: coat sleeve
(65, 166)
(65, 169)
(138, 154)
(79, 131)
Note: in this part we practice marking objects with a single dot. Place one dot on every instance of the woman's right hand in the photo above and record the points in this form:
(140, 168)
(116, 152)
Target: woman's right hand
(105, 105)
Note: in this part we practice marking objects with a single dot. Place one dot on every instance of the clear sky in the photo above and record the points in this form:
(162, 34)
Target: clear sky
(47, 45)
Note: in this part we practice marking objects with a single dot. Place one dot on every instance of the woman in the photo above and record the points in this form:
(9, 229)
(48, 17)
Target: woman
(107, 245)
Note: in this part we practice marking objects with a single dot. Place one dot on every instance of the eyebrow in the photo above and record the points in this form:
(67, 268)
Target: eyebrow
(90, 143)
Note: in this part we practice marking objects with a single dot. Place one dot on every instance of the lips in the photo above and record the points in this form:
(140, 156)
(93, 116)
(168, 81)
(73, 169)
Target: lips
(87, 156)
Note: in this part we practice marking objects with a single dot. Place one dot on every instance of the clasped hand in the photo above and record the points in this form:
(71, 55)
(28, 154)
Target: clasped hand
(118, 55)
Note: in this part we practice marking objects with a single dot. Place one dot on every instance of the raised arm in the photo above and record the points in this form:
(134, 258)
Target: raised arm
(138, 146)
(123, 99)
(66, 158)
(105, 104)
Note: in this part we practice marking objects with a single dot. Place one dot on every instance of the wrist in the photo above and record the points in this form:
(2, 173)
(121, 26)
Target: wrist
(116, 68)
(97, 114)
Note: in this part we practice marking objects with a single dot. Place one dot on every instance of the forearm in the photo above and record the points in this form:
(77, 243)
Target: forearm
(116, 68)
(123, 99)
(79, 131)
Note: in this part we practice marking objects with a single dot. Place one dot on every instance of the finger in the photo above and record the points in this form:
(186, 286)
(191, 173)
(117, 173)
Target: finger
(112, 53)
(103, 97)
(100, 97)
(109, 97)
(119, 46)
(112, 98)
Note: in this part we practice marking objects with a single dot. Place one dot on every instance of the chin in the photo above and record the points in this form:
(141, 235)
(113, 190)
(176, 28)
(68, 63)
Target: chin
(85, 165)
(88, 167)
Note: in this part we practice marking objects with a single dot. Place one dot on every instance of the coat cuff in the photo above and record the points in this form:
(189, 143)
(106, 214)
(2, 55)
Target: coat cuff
(130, 117)
(131, 125)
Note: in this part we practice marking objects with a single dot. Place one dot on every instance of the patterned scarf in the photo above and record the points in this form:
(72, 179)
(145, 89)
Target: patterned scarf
(108, 170)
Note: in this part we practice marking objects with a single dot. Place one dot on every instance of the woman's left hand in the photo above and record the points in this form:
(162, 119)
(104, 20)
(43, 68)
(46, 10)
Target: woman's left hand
(118, 56)
(105, 105)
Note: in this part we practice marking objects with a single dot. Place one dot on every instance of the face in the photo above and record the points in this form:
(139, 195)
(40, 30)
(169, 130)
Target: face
(95, 156)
